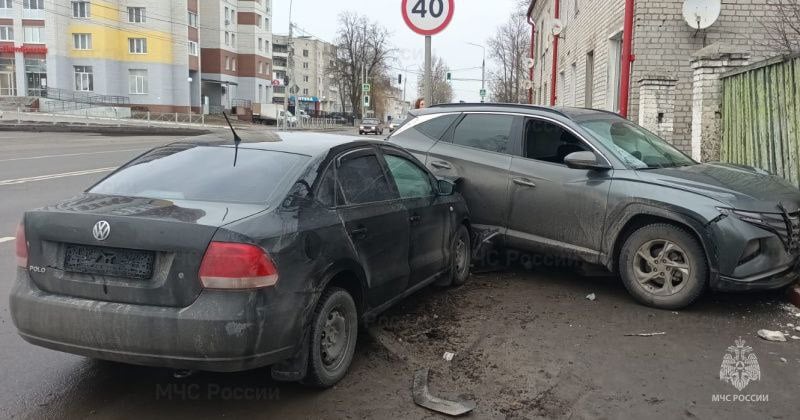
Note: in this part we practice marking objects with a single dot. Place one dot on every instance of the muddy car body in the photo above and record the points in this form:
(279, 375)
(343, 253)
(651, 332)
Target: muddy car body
(234, 267)
(591, 186)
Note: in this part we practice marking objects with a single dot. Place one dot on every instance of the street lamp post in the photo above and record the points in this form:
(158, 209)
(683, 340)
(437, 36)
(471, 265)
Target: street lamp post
(483, 67)
(286, 87)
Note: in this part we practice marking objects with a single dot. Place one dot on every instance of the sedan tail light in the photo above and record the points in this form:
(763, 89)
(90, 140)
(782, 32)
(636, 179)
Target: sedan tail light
(236, 266)
(22, 247)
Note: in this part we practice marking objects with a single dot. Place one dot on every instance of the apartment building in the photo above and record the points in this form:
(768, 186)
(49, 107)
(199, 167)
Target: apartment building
(164, 55)
(236, 52)
(589, 60)
(316, 90)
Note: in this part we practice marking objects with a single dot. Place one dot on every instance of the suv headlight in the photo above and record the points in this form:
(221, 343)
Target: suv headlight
(744, 216)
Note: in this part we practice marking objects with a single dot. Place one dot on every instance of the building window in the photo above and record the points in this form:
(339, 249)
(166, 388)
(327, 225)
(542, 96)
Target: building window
(261, 44)
(233, 64)
(614, 70)
(258, 20)
(305, 91)
(81, 9)
(227, 38)
(260, 93)
(84, 79)
(33, 34)
(266, 23)
(137, 82)
(233, 40)
(305, 79)
(33, 4)
(227, 16)
(193, 19)
(82, 41)
(6, 4)
(588, 85)
(6, 33)
(192, 48)
(227, 63)
(136, 15)
(305, 53)
(137, 45)
(305, 65)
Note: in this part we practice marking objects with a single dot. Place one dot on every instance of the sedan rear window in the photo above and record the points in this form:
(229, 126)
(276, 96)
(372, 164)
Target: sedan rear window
(199, 173)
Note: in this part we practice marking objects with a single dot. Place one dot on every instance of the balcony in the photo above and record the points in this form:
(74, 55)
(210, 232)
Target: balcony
(33, 14)
(7, 13)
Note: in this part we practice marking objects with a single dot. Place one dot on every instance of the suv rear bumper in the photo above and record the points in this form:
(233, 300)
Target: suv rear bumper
(220, 331)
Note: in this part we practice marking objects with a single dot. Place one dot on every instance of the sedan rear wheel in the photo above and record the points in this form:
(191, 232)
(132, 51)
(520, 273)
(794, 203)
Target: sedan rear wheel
(663, 266)
(334, 331)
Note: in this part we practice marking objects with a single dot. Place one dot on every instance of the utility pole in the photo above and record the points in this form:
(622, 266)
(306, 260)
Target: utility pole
(483, 68)
(289, 65)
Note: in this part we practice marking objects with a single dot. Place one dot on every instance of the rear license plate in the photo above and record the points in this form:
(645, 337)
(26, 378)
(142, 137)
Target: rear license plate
(114, 262)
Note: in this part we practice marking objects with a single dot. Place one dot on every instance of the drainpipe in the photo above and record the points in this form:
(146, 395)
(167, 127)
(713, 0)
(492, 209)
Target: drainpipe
(533, 56)
(627, 59)
(553, 77)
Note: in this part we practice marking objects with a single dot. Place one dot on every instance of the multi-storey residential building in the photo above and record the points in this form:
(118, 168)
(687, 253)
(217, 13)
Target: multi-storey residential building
(316, 90)
(280, 65)
(164, 55)
(589, 62)
(236, 51)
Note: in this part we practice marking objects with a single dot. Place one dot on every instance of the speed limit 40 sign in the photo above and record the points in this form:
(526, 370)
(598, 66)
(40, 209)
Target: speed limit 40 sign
(428, 17)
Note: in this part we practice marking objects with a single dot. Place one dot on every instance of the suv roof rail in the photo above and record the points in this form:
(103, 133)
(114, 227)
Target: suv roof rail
(501, 105)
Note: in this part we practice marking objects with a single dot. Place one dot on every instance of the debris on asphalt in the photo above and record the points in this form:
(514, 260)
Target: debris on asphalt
(591, 297)
(794, 337)
(653, 334)
(423, 398)
(797, 328)
(448, 356)
(771, 335)
(783, 359)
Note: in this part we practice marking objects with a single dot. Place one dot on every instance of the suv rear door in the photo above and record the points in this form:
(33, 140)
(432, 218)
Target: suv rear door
(553, 207)
(420, 134)
(478, 149)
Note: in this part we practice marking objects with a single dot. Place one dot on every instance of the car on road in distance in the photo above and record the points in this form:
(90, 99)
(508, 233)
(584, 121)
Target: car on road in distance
(203, 255)
(370, 126)
(395, 125)
(591, 186)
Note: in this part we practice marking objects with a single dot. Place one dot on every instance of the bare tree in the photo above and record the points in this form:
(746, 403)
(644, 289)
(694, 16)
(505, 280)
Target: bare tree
(509, 49)
(783, 32)
(442, 90)
(362, 46)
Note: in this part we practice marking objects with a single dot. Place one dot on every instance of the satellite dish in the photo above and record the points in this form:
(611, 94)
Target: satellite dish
(529, 63)
(701, 14)
(556, 27)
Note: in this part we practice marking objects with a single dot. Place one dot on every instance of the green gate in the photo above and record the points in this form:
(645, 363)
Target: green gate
(761, 117)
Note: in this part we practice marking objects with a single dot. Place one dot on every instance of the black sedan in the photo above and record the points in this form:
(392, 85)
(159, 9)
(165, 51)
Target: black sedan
(202, 255)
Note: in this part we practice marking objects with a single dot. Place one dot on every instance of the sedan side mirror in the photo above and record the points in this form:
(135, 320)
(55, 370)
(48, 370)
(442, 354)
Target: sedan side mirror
(446, 187)
(584, 160)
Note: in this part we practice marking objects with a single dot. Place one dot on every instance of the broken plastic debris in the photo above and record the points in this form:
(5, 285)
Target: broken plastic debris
(591, 296)
(182, 373)
(653, 334)
(783, 359)
(423, 398)
(448, 356)
(771, 335)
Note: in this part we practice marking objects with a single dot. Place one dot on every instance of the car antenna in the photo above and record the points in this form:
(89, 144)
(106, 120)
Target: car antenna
(236, 139)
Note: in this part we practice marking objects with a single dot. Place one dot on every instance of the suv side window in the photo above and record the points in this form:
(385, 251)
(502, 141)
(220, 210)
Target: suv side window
(549, 142)
(490, 132)
(362, 180)
(436, 127)
(411, 180)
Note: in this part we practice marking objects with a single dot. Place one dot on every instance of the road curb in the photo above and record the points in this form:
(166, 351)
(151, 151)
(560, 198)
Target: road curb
(104, 129)
(794, 295)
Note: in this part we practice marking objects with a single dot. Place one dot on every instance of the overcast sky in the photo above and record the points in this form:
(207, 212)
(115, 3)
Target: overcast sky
(474, 21)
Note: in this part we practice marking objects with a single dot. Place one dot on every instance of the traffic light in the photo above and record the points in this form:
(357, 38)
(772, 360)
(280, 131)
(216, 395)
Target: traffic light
(366, 100)
(400, 79)
(449, 76)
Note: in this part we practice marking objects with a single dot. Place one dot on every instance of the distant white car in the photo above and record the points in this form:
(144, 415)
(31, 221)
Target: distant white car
(395, 125)
(288, 117)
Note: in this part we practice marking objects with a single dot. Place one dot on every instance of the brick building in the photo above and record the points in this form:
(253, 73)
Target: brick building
(665, 47)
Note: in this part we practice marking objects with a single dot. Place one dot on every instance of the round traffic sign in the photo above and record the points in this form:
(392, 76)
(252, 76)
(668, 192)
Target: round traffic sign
(428, 17)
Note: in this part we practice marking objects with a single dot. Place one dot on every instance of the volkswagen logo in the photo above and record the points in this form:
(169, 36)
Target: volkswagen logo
(101, 230)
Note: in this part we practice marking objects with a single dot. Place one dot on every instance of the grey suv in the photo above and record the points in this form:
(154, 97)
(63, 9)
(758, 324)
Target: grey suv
(595, 187)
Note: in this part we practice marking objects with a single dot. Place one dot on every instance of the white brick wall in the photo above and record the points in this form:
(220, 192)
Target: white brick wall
(663, 46)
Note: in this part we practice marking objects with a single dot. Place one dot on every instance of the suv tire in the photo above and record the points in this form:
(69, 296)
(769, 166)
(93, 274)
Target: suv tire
(334, 331)
(460, 260)
(663, 266)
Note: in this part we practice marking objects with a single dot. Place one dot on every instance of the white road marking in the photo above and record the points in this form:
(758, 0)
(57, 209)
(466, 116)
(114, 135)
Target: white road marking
(7, 239)
(54, 176)
(73, 154)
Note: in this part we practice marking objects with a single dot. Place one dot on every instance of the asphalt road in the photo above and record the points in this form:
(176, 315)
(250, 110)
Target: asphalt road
(527, 341)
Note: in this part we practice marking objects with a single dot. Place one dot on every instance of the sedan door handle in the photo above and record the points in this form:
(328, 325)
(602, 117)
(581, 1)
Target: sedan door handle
(359, 233)
(525, 182)
(441, 165)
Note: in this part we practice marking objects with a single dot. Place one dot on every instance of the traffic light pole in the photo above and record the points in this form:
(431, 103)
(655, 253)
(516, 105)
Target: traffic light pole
(288, 78)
